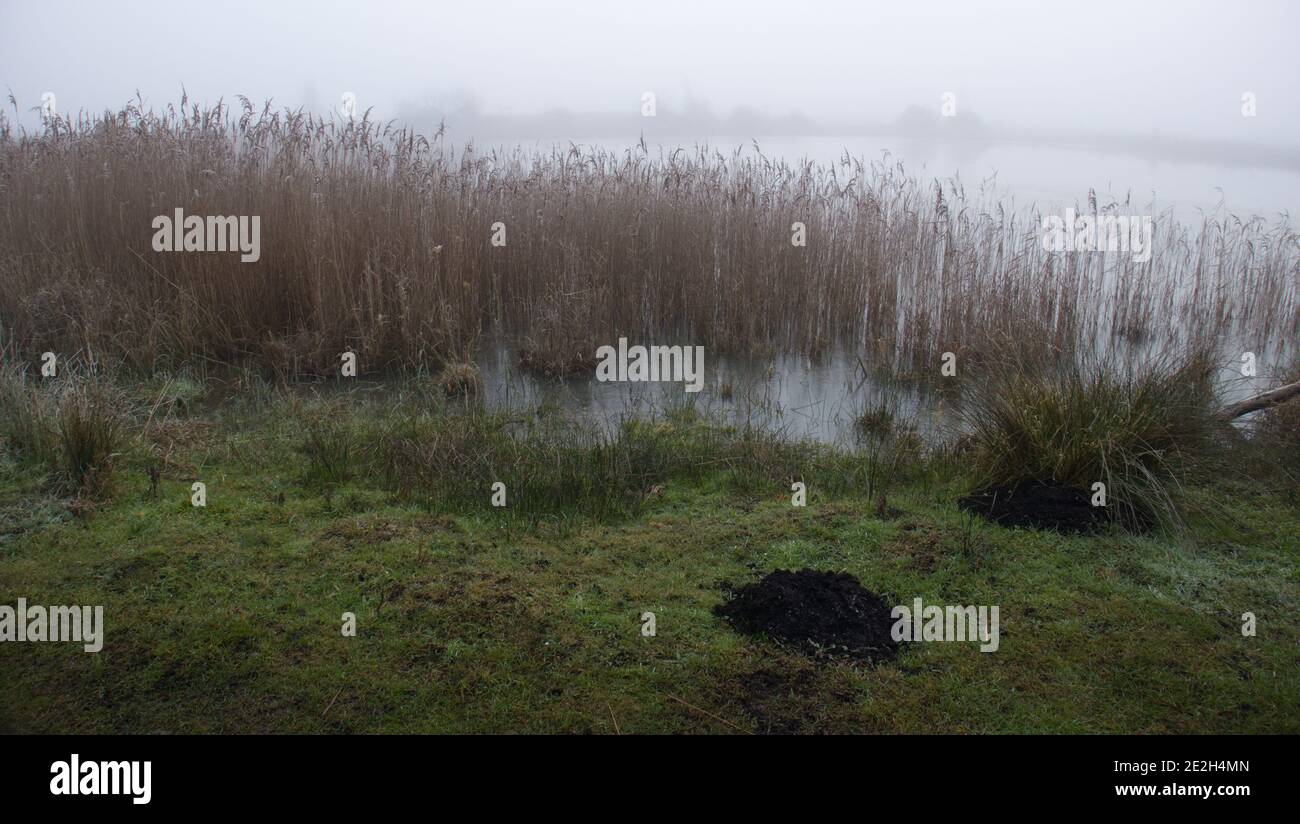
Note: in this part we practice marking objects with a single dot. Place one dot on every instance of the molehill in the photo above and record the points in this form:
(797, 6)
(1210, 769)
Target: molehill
(821, 613)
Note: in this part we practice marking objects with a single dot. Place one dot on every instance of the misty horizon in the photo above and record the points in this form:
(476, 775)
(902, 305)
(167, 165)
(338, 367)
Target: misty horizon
(1172, 70)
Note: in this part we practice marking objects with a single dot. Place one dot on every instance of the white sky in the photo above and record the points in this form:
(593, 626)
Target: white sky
(1136, 66)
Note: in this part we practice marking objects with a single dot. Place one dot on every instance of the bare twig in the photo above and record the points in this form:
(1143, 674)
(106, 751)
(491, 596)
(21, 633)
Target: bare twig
(332, 700)
(711, 715)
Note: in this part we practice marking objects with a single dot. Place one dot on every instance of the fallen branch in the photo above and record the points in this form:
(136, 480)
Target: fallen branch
(1262, 401)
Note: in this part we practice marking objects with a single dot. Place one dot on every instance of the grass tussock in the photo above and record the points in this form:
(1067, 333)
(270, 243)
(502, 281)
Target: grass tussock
(460, 380)
(875, 421)
(91, 430)
(330, 440)
(76, 428)
(25, 429)
(1142, 431)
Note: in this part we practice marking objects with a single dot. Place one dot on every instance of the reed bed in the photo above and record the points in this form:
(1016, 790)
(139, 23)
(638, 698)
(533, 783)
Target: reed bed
(378, 241)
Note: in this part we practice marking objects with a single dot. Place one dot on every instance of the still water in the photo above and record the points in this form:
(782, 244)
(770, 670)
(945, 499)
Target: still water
(793, 395)
(821, 399)
(790, 394)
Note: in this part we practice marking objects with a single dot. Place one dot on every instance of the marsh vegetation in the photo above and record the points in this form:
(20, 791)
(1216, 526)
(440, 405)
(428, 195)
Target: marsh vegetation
(380, 241)
(1073, 368)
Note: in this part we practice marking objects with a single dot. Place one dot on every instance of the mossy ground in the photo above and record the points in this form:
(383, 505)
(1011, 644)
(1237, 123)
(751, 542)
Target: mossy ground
(227, 618)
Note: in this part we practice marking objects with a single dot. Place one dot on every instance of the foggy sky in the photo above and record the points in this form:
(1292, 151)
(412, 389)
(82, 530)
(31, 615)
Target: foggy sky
(1140, 67)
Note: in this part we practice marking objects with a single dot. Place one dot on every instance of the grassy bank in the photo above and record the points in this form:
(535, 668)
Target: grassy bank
(475, 618)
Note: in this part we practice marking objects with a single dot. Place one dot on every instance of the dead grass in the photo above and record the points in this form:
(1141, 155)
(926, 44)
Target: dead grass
(378, 241)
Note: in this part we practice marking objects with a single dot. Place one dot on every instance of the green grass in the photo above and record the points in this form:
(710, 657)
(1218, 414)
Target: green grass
(470, 619)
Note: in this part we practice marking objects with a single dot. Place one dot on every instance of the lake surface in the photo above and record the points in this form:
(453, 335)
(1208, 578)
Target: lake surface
(1049, 176)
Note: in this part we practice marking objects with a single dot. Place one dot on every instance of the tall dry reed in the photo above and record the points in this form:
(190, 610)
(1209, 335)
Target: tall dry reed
(378, 241)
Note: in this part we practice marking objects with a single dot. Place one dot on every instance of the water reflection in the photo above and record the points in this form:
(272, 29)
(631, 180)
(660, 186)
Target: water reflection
(791, 394)
(794, 395)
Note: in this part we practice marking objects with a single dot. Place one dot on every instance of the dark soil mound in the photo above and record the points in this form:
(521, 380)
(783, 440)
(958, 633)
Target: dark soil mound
(821, 612)
(1037, 504)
